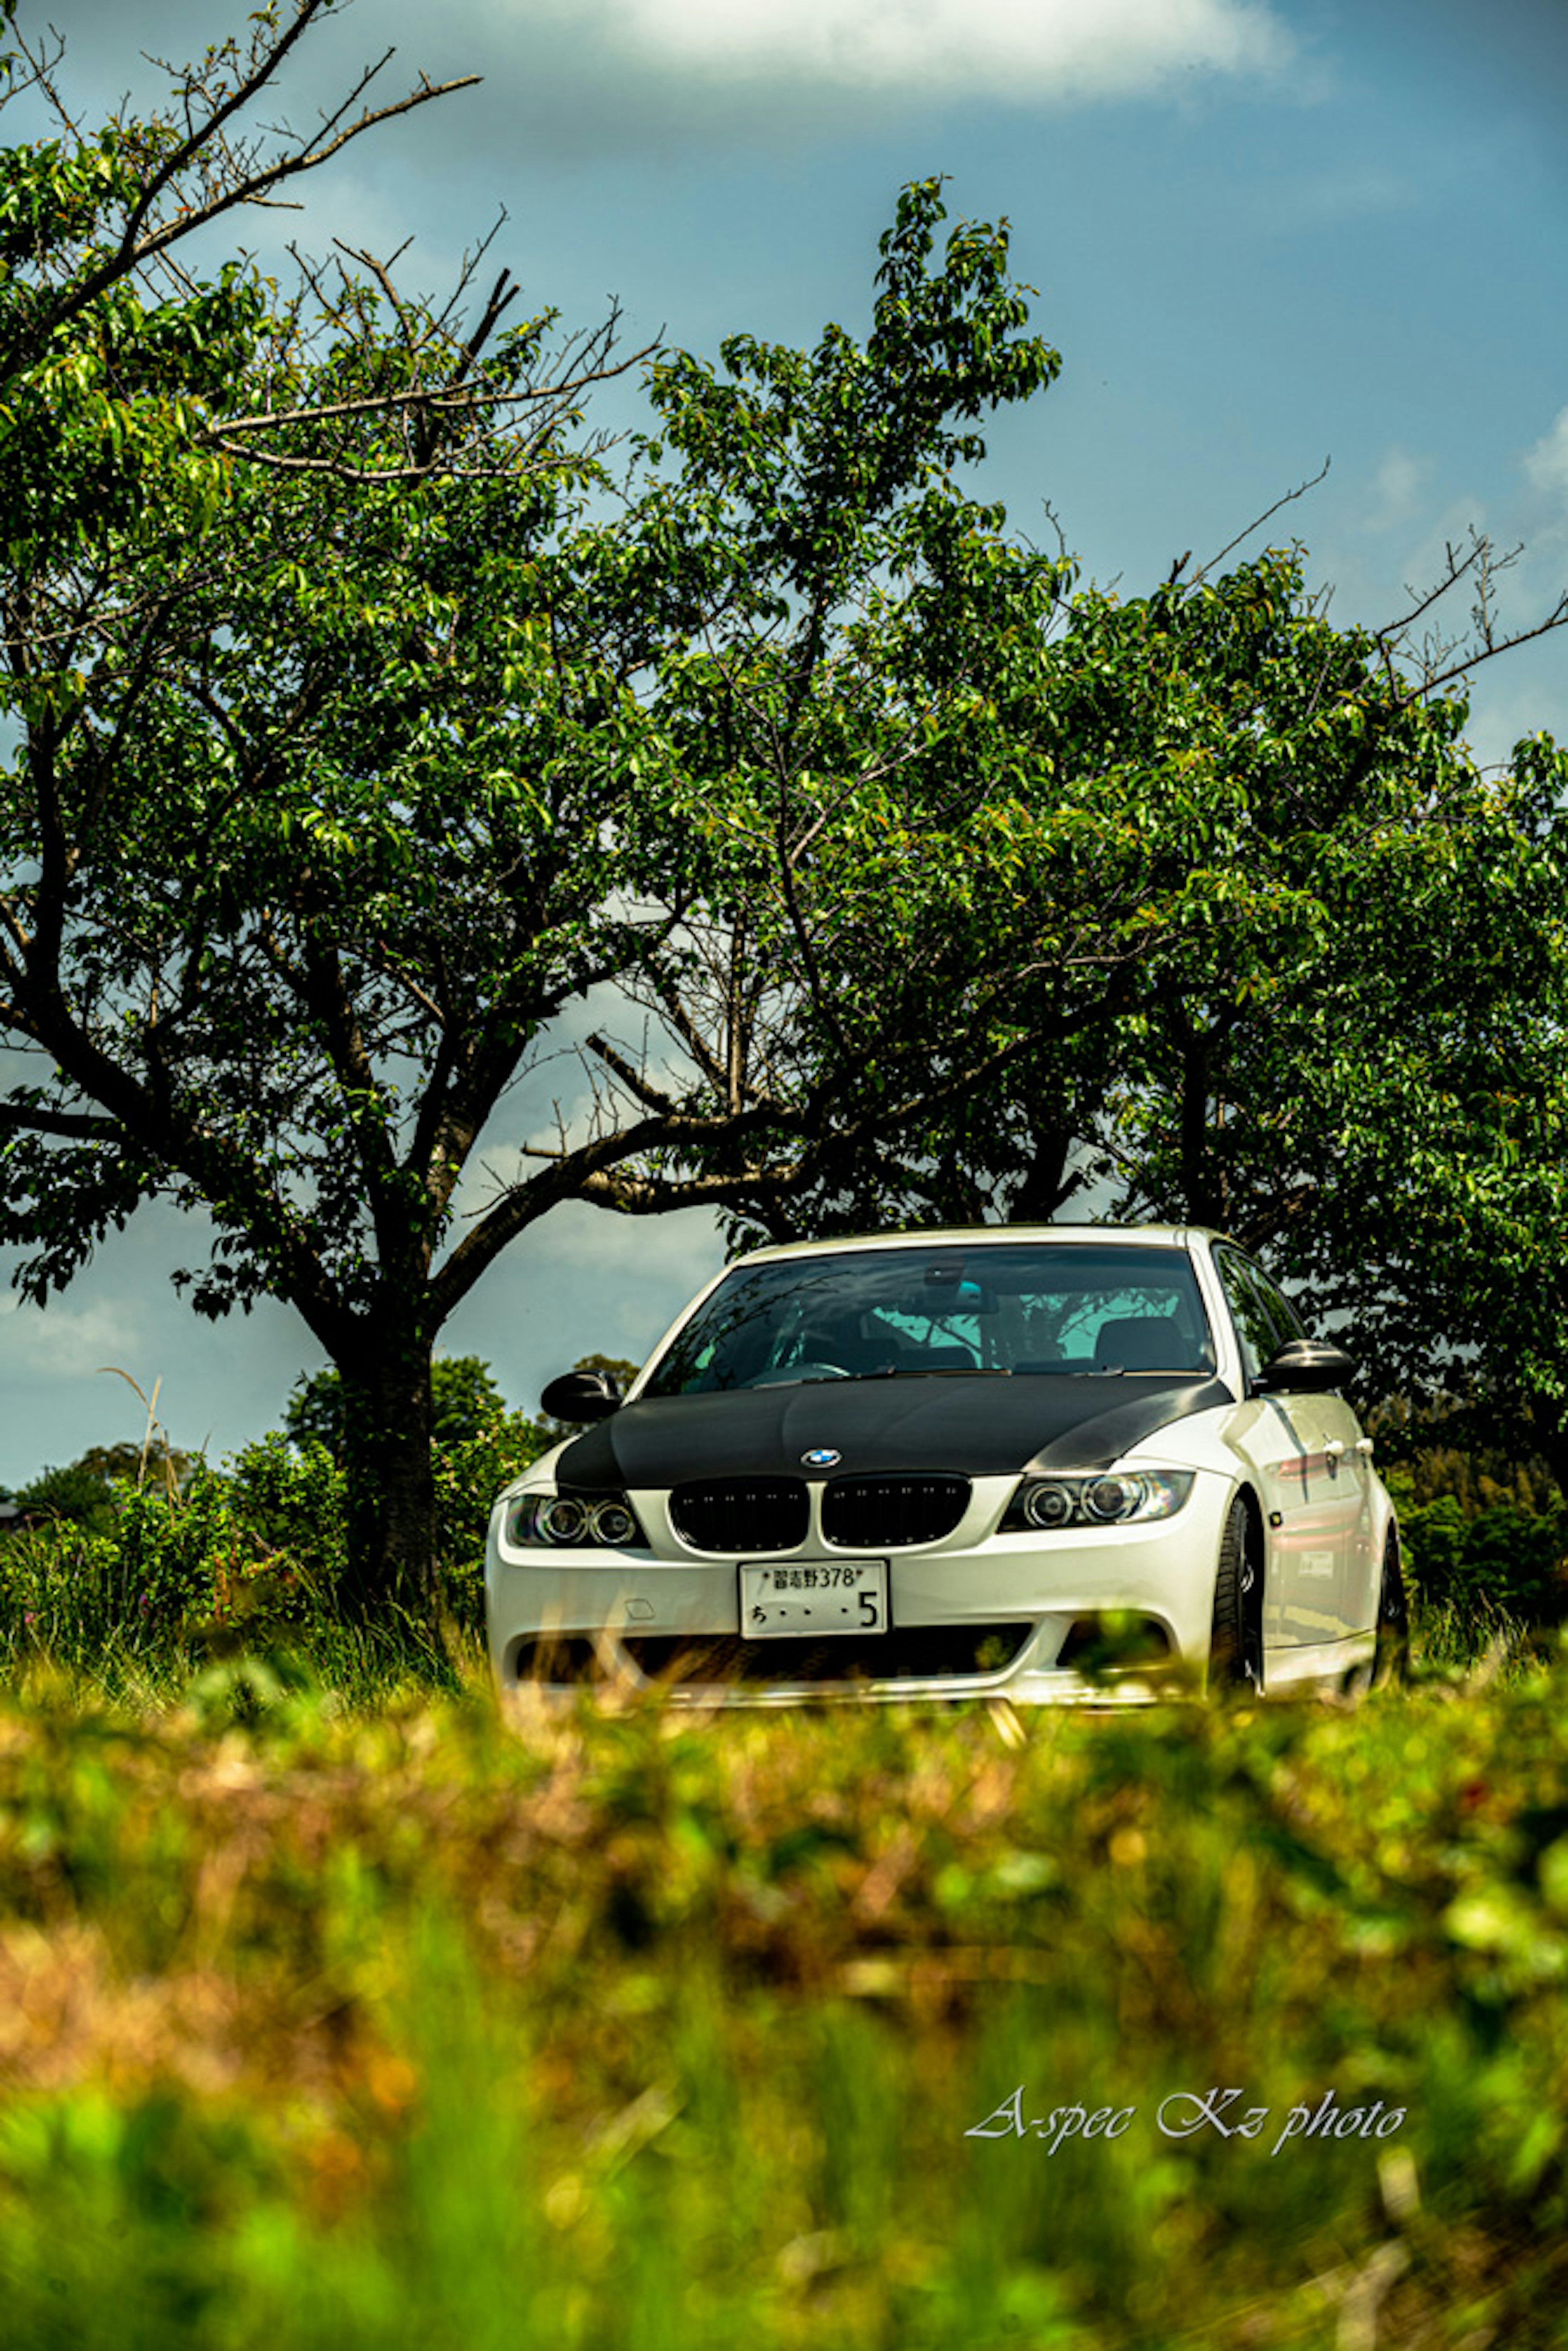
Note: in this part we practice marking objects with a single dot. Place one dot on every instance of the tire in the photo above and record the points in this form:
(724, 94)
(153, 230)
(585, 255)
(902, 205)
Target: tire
(1235, 1646)
(1392, 1657)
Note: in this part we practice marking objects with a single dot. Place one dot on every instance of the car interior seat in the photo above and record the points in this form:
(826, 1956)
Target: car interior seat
(1143, 1342)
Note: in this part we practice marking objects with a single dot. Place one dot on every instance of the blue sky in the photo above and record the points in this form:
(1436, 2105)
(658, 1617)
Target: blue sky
(1261, 235)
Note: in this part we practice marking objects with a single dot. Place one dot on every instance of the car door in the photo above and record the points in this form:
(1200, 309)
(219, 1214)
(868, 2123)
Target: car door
(1348, 1507)
(1301, 1447)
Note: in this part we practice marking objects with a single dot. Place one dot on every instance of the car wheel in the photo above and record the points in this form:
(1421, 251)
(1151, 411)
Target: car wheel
(1393, 1652)
(1235, 1646)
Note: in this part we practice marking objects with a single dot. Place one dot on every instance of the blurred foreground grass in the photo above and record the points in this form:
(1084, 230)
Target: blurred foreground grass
(428, 2028)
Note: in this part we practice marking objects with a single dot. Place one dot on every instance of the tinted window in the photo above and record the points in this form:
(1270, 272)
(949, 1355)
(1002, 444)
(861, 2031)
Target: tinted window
(1036, 1308)
(1289, 1323)
(1264, 1318)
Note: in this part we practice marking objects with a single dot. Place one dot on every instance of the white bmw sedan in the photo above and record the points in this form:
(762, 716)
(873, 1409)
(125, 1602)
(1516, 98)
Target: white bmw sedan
(1045, 1462)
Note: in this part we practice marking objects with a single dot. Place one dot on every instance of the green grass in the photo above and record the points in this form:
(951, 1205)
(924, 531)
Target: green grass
(332, 2026)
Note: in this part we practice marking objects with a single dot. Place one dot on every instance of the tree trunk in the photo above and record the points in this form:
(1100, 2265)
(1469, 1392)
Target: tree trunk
(1202, 1175)
(387, 1423)
(1047, 1185)
(1547, 1423)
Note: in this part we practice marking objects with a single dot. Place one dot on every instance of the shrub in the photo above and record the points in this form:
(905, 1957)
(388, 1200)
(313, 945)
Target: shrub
(294, 1500)
(247, 1559)
(78, 1495)
(1500, 1557)
(469, 1474)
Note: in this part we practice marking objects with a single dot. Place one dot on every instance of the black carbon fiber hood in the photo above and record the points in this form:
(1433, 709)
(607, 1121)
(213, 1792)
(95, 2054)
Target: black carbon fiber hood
(983, 1428)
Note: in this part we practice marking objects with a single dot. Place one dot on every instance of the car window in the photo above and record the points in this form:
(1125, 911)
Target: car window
(1286, 1319)
(1026, 1307)
(1257, 1330)
(1264, 1316)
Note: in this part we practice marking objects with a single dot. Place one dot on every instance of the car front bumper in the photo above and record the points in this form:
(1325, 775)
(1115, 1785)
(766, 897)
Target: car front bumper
(1034, 1617)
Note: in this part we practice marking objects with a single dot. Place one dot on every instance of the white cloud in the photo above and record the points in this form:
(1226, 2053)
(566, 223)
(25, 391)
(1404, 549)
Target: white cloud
(1397, 488)
(680, 1246)
(1024, 48)
(1546, 465)
(582, 80)
(58, 1344)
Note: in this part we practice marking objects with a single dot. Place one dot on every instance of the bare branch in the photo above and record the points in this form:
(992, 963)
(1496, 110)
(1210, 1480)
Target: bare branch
(1434, 663)
(1231, 545)
(451, 399)
(42, 64)
(12, 924)
(394, 971)
(685, 1028)
(237, 182)
(633, 1080)
(589, 1172)
(1557, 618)
(1457, 568)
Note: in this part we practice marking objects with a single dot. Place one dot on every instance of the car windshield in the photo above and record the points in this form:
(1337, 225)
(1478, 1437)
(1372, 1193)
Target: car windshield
(1051, 1308)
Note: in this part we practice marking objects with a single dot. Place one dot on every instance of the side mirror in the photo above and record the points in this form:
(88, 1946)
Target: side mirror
(1308, 1365)
(580, 1395)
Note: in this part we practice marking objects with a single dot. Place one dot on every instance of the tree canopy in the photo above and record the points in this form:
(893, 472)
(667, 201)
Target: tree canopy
(1336, 1024)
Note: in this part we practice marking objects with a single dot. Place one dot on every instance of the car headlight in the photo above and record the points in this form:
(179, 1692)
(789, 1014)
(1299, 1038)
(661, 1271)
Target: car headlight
(1051, 1504)
(554, 1521)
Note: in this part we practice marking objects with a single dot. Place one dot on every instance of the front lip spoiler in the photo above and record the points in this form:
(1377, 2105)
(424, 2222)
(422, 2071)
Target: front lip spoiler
(721, 1697)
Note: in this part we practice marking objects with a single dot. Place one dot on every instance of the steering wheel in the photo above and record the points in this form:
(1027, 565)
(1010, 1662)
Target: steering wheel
(811, 1368)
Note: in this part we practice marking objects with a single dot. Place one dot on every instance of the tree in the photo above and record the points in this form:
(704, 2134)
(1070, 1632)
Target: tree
(1352, 1051)
(154, 1462)
(464, 1400)
(78, 1495)
(345, 771)
(1345, 1040)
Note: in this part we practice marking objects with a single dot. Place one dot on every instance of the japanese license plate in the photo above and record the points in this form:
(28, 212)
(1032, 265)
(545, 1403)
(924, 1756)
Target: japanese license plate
(813, 1595)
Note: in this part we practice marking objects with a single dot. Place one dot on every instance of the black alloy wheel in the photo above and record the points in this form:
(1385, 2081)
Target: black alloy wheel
(1236, 1633)
(1392, 1657)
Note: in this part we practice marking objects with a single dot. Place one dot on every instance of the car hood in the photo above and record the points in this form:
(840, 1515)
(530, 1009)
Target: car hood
(981, 1427)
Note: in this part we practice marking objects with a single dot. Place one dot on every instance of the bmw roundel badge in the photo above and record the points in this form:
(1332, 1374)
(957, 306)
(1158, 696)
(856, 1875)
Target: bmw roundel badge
(821, 1456)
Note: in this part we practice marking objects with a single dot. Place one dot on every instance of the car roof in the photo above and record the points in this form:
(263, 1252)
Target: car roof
(988, 1236)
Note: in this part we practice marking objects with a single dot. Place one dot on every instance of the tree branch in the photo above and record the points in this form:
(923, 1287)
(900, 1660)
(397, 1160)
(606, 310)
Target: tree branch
(134, 251)
(1256, 524)
(73, 1126)
(588, 1173)
(635, 1082)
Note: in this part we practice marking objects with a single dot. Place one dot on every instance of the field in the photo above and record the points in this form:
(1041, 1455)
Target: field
(403, 2022)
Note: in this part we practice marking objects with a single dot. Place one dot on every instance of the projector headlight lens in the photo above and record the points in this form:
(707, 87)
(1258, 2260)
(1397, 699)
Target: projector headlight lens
(1049, 1506)
(613, 1522)
(1060, 1504)
(563, 1519)
(579, 1521)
